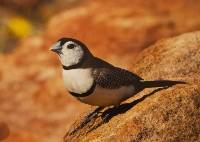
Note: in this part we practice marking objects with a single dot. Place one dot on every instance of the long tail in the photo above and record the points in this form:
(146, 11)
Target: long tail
(160, 83)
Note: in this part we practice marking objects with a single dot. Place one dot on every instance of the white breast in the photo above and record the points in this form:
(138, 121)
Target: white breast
(78, 80)
(107, 97)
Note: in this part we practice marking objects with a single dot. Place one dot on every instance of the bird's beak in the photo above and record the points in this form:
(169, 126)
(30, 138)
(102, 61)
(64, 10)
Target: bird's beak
(56, 48)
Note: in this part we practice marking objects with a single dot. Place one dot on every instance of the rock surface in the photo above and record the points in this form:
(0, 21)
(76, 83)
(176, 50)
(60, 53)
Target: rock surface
(167, 114)
(124, 27)
(34, 105)
(33, 101)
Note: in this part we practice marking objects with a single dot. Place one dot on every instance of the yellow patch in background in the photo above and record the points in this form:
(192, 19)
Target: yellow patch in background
(19, 27)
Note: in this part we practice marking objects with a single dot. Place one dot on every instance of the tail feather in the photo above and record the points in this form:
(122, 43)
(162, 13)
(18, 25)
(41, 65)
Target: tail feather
(160, 83)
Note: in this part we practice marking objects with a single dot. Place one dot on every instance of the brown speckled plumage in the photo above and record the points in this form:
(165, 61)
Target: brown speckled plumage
(108, 76)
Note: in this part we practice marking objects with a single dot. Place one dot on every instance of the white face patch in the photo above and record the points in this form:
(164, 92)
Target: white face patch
(78, 80)
(71, 56)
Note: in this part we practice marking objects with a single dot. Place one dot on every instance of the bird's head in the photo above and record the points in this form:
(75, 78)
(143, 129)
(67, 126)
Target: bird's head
(70, 51)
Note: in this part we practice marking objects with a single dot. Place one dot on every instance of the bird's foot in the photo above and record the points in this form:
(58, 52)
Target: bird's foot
(105, 118)
(87, 119)
(108, 114)
(93, 113)
(90, 116)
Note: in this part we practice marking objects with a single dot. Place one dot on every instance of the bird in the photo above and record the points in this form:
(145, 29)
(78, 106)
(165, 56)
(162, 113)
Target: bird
(96, 82)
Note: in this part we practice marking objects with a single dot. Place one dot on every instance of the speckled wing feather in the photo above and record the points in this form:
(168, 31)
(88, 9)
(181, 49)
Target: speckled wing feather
(108, 76)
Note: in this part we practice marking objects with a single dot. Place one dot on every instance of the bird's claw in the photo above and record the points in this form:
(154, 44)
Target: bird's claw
(105, 118)
(90, 116)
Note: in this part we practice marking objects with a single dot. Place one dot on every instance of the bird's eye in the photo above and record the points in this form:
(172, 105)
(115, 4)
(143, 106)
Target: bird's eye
(70, 46)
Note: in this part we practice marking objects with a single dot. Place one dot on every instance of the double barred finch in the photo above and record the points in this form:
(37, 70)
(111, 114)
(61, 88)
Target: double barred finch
(96, 82)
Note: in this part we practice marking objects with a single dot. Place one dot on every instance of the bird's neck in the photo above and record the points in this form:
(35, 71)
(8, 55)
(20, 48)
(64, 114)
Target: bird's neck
(85, 62)
(75, 66)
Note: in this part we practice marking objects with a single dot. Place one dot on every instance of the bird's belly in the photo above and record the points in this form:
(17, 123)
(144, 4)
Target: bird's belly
(108, 97)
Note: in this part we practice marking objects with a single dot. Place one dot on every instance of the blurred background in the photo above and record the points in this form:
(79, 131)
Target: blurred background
(34, 106)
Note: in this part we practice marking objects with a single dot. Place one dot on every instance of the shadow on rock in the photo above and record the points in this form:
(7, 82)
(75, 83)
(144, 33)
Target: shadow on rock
(108, 114)
(111, 112)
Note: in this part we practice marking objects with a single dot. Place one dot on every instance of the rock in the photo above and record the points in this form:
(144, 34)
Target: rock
(165, 114)
(4, 131)
(33, 101)
(124, 27)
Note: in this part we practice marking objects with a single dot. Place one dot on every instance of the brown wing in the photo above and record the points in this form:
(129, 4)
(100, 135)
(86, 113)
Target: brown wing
(112, 77)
